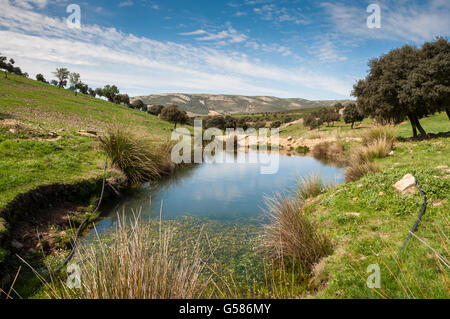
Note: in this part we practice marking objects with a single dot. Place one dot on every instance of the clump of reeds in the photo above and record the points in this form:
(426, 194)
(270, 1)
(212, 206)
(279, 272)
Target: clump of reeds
(379, 148)
(330, 150)
(136, 262)
(310, 186)
(291, 236)
(378, 142)
(139, 158)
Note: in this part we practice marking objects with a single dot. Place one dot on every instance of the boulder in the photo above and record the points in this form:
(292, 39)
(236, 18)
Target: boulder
(406, 185)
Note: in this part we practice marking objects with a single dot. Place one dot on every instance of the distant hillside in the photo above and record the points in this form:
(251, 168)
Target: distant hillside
(203, 104)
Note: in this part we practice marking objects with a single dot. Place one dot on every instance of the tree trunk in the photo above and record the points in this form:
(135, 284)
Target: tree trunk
(413, 125)
(353, 123)
(447, 110)
(421, 130)
(175, 126)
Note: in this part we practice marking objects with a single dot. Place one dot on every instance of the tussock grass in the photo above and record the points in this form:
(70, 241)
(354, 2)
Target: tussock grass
(330, 150)
(139, 158)
(137, 262)
(291, 236)
(378, 142)
(310, 186)
(357, 170)
(377, 133)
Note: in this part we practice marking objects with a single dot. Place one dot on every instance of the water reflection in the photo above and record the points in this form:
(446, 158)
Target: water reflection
(220, 191)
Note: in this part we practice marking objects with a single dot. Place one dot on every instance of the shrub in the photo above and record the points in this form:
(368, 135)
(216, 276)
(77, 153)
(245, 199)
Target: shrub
(137, 157)
(312, 121)
(290, 236)
(378, 133)
(357, 170)
(302, 149)
(275, 124)
(137, 104)
(136, 263)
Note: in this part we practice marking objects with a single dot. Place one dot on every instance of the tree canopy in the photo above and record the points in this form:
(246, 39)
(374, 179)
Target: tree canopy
(110, 91)
(156, 110)
(40, 78)
(62, 74)
(352, 115)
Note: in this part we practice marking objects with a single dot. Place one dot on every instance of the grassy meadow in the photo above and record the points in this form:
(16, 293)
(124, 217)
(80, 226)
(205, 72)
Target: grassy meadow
(38, 113)
(360, 223)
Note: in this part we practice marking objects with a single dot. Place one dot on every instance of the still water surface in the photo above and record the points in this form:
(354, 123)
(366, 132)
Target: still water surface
(219, 191)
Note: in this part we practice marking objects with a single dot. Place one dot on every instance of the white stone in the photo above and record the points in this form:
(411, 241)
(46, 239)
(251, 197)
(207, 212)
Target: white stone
(406, 184)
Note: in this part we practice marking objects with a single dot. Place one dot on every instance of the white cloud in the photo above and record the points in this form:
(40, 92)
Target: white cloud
(326, 51)
(140, 65)
(30, 4)
(228, 36)
(271, 12)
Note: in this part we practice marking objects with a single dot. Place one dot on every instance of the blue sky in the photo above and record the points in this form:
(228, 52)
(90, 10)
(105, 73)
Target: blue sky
(308, 49)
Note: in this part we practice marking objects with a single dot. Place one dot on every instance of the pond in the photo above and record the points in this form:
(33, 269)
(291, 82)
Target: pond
(221, 192)
(222, 207)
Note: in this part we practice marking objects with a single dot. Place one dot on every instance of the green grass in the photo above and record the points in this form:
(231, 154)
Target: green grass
(368, 221)
(28, 162)
(432, 125)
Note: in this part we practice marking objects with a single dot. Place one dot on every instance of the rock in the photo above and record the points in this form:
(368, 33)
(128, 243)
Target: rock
(391, 153)
(15, 244)
(289, 138)
(406, 185)
(12, 131)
